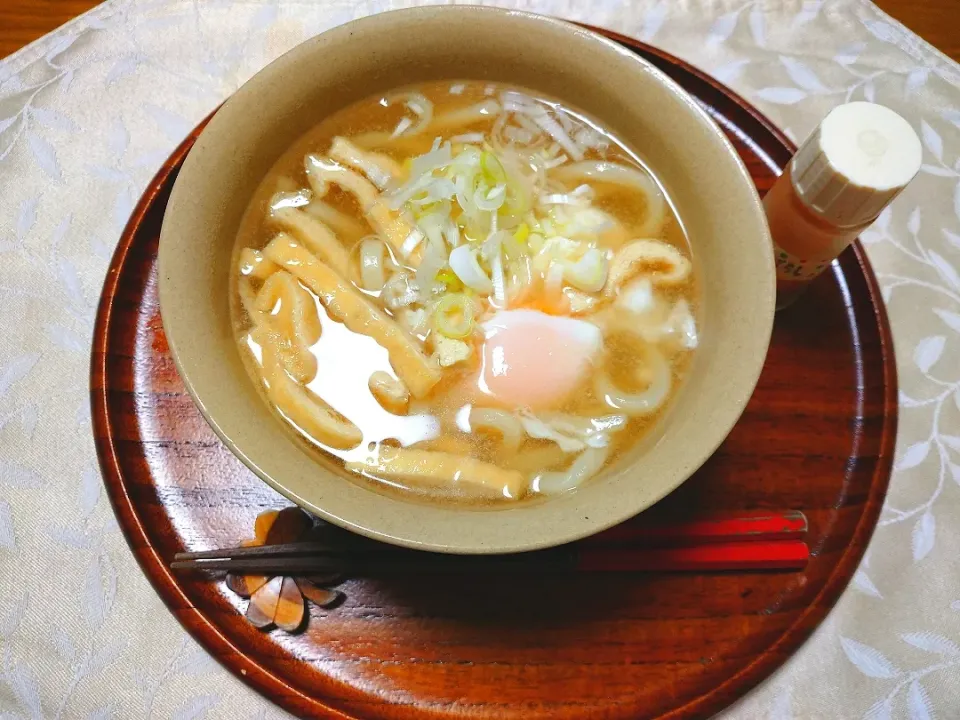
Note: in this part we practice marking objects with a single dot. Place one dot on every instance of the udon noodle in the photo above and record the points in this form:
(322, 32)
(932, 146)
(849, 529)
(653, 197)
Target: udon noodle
(464, 290)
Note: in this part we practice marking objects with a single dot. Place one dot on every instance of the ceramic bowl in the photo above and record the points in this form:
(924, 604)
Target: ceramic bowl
(699, 168)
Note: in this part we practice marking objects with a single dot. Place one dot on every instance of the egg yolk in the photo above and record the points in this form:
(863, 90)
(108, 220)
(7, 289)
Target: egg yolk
(535, 360)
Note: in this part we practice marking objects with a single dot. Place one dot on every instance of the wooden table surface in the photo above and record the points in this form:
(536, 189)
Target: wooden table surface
(22, 21)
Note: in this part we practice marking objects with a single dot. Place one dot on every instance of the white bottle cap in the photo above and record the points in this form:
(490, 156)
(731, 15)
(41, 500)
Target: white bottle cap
(856, 162)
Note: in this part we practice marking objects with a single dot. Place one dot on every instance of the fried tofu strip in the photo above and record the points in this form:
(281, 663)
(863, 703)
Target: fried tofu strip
(295, 323)
(483, 111)
(248, 300)
(392, 228)
(304, 409)
(254, 265)
(315, 236)
(347, 228)
(662, 263)
(392, 394)
(348, 306)
(453, 444)
(428, 469)
(380, 169)
(418, 143)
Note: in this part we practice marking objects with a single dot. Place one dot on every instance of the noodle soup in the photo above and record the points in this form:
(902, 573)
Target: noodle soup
(464, 291)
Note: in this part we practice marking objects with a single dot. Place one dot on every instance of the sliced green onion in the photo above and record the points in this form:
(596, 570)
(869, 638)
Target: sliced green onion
(492, 168)
(463, 261)
(449, 278)
(511, 247)
(589, 273)
(433, 260)
(522, 233)
(499, 281)
(490, 200)
(556, 131)
(454, 315)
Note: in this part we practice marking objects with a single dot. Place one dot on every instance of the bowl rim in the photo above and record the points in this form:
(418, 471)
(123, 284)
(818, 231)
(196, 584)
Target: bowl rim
(419, 537)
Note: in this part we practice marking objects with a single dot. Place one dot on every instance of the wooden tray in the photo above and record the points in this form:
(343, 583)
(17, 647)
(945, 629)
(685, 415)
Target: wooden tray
(818, 436)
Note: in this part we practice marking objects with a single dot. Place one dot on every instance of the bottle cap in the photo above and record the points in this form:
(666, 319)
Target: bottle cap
(857, 161)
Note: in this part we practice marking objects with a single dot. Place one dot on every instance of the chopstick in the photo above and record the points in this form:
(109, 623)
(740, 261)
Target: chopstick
(770, 555)
(767, 542)
(709, 530)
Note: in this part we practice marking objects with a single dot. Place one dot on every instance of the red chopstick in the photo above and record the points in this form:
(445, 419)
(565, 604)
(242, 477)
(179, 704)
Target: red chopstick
(716, 557)
(760, 542)
(707, 530)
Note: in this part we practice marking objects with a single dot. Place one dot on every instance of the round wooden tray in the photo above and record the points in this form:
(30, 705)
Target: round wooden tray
(817, 436)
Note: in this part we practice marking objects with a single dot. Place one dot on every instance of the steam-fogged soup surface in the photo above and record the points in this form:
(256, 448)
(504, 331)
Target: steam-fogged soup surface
(464, 291)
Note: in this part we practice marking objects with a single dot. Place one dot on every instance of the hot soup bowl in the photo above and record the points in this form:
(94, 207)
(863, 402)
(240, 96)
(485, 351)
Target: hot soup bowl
(705, 180)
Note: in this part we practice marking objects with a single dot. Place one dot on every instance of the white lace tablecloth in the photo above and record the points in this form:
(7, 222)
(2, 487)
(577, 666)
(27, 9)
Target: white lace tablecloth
(88, 113)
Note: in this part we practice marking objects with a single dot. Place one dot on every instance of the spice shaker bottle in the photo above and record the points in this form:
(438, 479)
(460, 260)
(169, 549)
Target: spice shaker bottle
(850, 168)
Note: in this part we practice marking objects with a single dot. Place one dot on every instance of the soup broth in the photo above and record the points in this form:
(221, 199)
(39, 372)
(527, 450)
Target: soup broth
(464, 291)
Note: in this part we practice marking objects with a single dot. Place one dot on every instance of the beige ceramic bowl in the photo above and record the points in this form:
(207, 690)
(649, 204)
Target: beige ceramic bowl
(699, 168)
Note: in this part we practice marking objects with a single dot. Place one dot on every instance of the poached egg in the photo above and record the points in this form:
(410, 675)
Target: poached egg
(534, 360)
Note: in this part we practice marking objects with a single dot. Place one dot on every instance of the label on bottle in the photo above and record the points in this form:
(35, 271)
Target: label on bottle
(790, 267)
